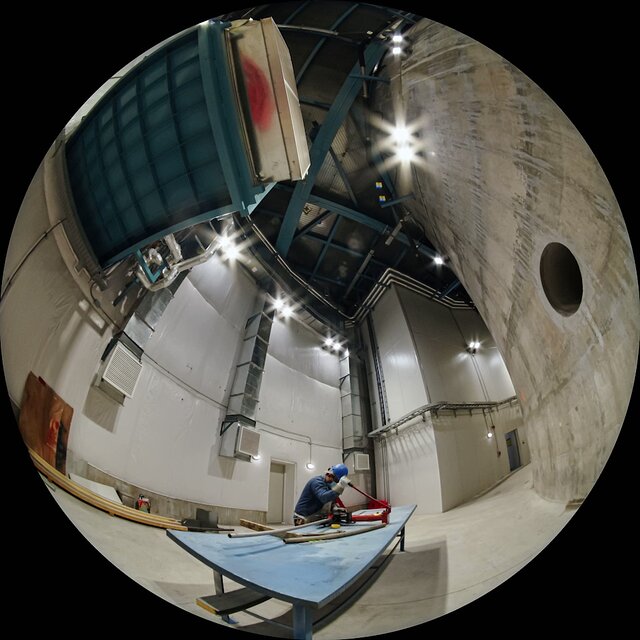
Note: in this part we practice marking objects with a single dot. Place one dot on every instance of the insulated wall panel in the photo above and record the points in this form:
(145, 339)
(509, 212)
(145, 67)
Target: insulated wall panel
(402, 370)
(195, 343)
(293, 401)
(299, 349)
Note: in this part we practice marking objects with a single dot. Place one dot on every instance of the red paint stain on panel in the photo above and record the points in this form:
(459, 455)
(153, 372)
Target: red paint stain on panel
(259, 94)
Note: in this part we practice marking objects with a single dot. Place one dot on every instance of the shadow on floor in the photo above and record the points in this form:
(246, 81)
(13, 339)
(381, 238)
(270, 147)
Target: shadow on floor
(379, 602)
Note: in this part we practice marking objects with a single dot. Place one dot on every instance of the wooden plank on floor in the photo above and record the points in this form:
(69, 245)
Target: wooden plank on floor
(256, 526)
(231, 602)
(100, 502)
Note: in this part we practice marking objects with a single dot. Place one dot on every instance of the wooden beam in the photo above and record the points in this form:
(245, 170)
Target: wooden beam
(98, 501)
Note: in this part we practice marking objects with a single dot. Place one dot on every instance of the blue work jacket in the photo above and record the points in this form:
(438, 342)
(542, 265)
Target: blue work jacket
(316, 493)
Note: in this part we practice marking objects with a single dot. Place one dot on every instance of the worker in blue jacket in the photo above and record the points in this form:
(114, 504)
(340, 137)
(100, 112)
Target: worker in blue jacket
(319, 493)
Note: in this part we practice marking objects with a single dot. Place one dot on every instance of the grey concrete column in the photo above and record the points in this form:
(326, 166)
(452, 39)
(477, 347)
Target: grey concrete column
(511, 194)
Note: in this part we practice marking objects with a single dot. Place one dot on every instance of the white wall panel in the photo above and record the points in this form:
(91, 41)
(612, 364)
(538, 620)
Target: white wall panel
(488, 358)
(46, 326)
(402, 371)
(294, 345)
(413, 469)
(196, 343)
(227, 288)
(291, 400)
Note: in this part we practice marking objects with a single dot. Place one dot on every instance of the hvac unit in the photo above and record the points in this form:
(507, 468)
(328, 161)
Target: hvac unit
(120, 371)
(240, 441)
(361, 462)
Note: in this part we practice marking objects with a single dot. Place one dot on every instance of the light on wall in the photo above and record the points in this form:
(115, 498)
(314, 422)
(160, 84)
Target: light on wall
(473, 347)
(310, 466)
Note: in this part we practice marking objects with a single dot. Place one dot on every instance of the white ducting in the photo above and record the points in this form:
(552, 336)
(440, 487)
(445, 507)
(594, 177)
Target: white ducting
(169, 274)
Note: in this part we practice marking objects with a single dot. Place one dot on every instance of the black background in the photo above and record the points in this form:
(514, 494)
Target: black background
(55, 60)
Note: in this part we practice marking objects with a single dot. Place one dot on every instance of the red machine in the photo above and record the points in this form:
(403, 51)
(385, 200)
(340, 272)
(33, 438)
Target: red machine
(379, 510)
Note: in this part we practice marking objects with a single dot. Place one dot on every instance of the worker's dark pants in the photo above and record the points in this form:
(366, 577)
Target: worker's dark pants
(318, 515)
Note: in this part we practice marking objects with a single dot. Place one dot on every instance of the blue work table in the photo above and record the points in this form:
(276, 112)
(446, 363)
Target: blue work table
(309, 575)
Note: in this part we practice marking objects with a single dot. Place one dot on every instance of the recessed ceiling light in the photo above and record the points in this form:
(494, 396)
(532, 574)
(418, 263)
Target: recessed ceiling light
(396, 50)
(438, 260)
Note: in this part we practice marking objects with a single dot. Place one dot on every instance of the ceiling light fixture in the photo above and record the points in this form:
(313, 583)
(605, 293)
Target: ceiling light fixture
(396, 51)
(397, 38)
(438, 260)
(232, 252)
(405, 154)
(401, 134)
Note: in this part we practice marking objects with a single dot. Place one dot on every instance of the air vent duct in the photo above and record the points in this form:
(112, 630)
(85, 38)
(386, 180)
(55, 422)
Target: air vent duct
(361, 462)
(240, 439)
(120, 372)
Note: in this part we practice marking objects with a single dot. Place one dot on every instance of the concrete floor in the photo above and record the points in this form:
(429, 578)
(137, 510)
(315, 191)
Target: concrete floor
(451, 559)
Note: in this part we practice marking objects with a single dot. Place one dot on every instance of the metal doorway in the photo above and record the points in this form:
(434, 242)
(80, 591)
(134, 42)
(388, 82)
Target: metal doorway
(512, 449)
(281, 492)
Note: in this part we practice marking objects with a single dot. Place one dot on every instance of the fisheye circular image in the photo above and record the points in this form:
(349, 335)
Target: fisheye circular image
(318, 319)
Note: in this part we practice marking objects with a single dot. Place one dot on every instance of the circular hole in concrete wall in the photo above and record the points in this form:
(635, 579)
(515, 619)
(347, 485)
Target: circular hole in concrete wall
(561, 278)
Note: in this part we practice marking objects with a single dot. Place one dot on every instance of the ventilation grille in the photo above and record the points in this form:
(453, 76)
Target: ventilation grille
(122, 370)
(248, 442)
(361, 462)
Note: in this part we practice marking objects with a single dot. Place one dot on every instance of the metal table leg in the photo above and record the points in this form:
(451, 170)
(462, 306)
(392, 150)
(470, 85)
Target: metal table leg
(302, 619)
(217, 582)
(402, 539)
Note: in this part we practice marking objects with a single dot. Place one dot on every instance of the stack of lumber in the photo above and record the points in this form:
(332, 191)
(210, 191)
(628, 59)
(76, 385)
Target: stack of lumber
(98, 501)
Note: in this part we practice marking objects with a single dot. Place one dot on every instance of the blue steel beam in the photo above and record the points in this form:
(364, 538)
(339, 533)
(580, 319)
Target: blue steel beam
(302, 7)
(367, 220)
(343, 175)
(327, 244)
(334, 281)
(344, 249)
(335, 117)
(313, 223)
(318, 46)
(452, 287)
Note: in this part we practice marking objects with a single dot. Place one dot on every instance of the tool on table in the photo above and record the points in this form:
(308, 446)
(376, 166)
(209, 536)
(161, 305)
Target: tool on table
(378, 510)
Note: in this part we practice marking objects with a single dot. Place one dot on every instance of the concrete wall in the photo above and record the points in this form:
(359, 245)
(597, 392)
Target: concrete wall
(509, 174)
(165, 439)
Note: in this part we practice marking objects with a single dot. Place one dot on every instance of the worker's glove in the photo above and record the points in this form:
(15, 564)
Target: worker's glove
(338, 488)
(344, 482)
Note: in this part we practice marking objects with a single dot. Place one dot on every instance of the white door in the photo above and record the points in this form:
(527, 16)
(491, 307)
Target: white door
(275, 511)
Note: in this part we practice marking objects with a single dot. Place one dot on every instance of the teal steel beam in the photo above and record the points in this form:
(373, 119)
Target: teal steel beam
(302, 7)
(203, 217)
(325, 106)
(450, 289)
(372, 78)
(343, 176)
(368, 221)
(390, 203)
(323, 216)
(327, 244)
(319, 45)
(335, 117)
